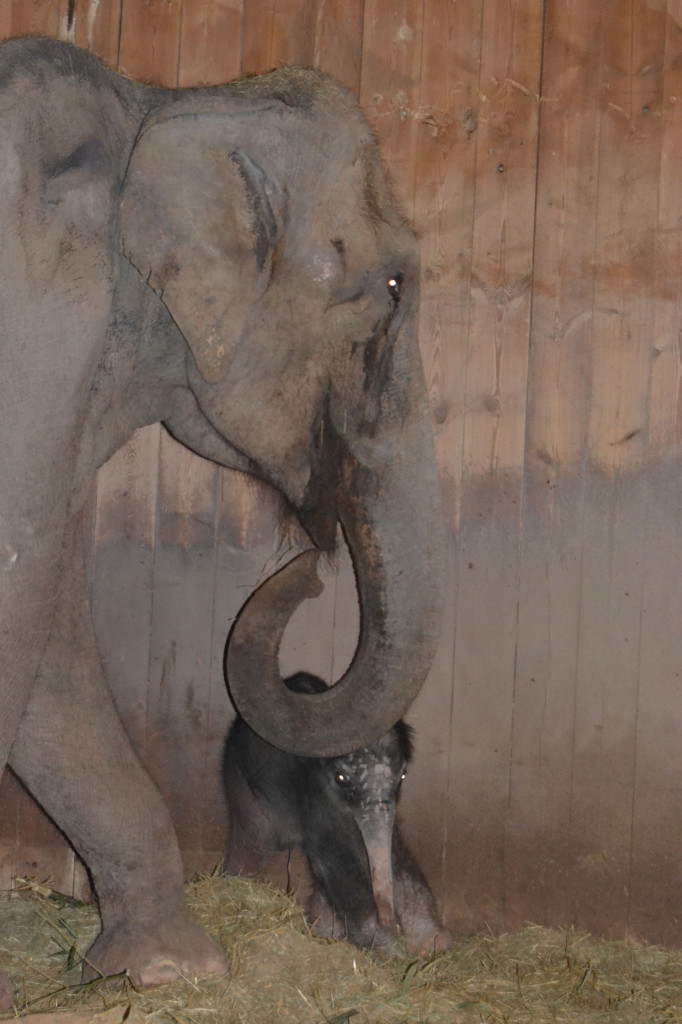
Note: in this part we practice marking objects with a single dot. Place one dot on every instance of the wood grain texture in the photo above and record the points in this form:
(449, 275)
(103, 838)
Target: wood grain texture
(31, 17)
(389, 88)
(493, 444)
(538, 840)
(149, 47)
(627, 199)
(96, 25)
(325, 34)
(665, 406)
(447, 118)
(653, 905)
(210, 38)
(247, 549)
(610, 599)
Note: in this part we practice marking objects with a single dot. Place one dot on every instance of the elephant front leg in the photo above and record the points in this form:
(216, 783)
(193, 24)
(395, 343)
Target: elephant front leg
(414, 904)
(253, 838)
(74, 756)
(342, 904)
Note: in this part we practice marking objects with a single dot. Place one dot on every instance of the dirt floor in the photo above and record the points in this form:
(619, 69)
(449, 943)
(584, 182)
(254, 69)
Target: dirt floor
(280, 973)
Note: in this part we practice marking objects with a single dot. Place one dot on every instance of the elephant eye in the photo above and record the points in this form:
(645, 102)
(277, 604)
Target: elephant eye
(394, 285)
(341, 780)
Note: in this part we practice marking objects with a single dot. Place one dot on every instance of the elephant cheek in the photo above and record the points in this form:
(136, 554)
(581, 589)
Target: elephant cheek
(271, 433)
(376, 829)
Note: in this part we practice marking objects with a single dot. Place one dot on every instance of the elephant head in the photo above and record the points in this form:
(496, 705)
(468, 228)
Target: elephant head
(261, 217)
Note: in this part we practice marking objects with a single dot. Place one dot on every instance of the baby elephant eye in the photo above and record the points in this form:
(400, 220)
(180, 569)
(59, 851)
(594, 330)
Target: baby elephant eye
(341, 780)
(394, 285)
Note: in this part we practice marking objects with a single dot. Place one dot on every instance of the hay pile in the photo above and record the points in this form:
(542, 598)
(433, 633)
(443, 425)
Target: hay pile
(281, 974)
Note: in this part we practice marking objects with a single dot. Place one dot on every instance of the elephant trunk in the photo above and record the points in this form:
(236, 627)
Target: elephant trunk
(387, 500)
(376, 828)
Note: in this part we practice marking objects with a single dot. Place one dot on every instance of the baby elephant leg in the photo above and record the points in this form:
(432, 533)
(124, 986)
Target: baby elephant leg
(320, 916)
(253, 836)
(415, 906)
(342, 902)
(360, 927)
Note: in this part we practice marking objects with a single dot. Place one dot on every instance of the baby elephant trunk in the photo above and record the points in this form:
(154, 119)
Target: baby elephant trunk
(376, 827)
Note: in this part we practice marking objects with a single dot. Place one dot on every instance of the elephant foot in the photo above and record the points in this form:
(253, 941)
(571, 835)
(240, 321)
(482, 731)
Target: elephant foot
(380, 940)
(154, 953)
(385, 944)
(6, 1001)
(426, 941)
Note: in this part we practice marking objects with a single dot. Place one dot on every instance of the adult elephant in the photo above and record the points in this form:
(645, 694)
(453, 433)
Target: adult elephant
(226, 261)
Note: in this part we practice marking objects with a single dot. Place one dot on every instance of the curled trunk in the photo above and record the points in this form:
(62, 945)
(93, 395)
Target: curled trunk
(387, 499)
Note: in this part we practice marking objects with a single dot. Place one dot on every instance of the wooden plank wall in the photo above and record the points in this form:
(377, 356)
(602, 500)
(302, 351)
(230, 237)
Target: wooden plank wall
(535, 146)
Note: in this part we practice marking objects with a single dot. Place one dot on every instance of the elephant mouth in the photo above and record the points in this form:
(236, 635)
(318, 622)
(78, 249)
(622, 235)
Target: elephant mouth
(318, 511)
(319, 519)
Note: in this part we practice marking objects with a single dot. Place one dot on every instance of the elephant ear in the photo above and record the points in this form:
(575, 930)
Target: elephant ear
(198, 221)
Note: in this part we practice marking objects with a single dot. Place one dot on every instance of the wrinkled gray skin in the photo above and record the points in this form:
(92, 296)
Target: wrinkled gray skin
(341, 813)
(226, 261)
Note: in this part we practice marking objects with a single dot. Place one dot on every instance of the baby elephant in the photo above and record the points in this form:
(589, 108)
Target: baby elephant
(340, 811)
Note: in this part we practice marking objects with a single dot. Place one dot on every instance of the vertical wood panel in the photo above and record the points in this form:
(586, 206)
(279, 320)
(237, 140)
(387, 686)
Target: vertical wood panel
(274, 34)
(259, 43)
(335, 40)
(30, 17)
(39, 848)
(563, 295)
(322, 634)
(538, 835)
(654, 905)
(30, 845)
(11, 834)
(616, 502)
(327, 35)
(210, 42)
(247, 550)
(606, 699)
(665, 407)
(654, 908)
(447, 117)
(504, 204)
(150, 41)
(389, 89)
(96, 26)
(632, 40)
(494, 425)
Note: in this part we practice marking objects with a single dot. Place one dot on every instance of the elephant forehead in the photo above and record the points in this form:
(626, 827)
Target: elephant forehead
(372, 773)
(322, 263)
